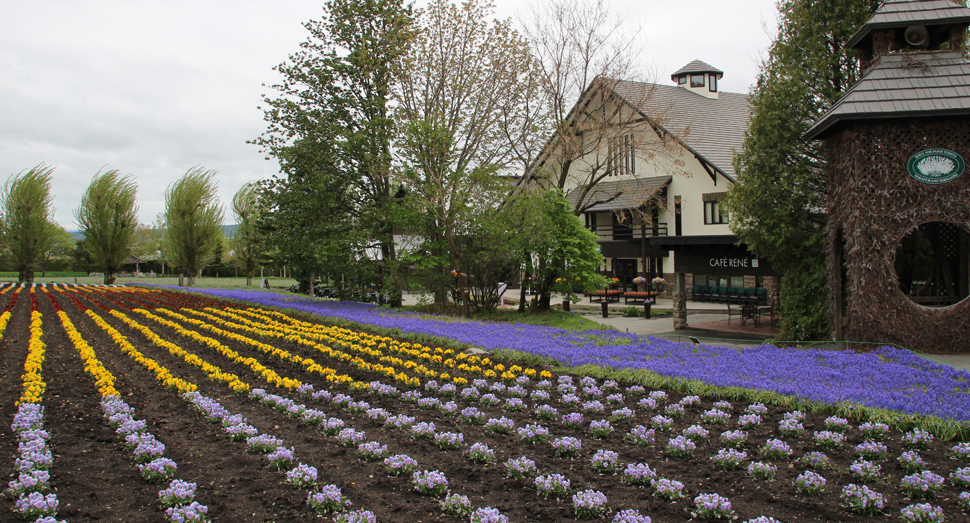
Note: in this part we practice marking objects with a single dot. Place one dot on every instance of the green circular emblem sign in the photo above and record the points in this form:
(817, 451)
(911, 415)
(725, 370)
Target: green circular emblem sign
(935, 166)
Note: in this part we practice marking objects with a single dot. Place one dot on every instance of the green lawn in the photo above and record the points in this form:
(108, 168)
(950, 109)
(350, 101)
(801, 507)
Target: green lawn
(551, 318)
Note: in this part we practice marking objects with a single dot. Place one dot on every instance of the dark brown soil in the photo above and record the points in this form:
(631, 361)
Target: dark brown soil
(96, 479)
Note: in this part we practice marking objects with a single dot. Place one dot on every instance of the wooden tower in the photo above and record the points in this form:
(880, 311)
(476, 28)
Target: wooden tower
(898, 200)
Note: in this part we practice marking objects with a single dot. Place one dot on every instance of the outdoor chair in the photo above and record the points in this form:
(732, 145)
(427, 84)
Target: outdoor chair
(769, 311)
(732, 312)
(720, 294)
(762, 296)
(695, 293)
(705, 293)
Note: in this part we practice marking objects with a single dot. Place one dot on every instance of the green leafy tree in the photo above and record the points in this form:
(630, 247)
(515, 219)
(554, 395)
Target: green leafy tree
(460, 87)
(332, 120)
(108, 218)
(778, 206)
(246, 241)
(60, 254)
(193, 221)
(27, 228)
(558, 248)
(306, 223)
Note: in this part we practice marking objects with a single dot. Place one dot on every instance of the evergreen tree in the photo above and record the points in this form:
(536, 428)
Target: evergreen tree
(779, 205)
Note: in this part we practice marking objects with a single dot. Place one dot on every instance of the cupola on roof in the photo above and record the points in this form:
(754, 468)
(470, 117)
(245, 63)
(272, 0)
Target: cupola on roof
(696, 66)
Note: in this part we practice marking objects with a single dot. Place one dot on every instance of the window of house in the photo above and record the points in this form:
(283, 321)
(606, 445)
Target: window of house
(681, 80)
(715, 213)
(622, 156)
(736, 282)
(697, 80)
(678, 222)
(713, 84)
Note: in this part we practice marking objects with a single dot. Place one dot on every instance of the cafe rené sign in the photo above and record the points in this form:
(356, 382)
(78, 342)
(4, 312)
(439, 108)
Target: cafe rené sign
(739, 263)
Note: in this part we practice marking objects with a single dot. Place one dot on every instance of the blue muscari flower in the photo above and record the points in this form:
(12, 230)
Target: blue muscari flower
(887, 378)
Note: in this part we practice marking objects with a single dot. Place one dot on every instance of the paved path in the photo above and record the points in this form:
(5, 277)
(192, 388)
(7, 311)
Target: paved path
(707, 322)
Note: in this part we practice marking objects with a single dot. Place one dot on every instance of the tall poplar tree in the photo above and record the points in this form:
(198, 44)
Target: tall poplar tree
(27, 225)
(107, 218)
(778, 207)
(246, 240)
(193, 221)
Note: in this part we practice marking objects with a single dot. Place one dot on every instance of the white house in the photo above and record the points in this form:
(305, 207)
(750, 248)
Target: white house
(646, 165)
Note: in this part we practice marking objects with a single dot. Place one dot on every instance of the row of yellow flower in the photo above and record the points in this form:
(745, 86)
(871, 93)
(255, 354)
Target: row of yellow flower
(258, 368)
(164, 375)
(299, 335)
(5, 317)
(213, 372)
(161, 373)
(466, 363)
(278, 333)
(340, 336)
(34, 385)
(103, 379)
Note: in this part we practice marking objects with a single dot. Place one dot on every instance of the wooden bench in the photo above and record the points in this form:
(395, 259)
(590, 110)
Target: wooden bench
(639, 298)
(607, 296)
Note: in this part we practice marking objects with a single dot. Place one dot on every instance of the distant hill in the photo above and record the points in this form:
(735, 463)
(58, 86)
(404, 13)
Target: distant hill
(226, 229)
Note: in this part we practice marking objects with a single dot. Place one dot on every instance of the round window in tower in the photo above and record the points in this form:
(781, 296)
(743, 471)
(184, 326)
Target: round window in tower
(933, 264)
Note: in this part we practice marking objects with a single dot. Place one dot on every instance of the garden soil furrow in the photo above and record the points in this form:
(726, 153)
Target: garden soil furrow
(13, 354)
(96, 480)
(236, 486)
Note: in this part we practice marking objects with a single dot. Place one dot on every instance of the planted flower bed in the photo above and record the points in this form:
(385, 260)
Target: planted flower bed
(156, 405)
(888, 378)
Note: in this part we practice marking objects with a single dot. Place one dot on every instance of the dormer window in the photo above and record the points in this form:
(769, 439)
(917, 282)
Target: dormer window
(697, 80)
(681, 80)
(713, 84)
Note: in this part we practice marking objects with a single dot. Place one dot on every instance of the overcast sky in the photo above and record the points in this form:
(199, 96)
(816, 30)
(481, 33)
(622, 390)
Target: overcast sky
(153, 88)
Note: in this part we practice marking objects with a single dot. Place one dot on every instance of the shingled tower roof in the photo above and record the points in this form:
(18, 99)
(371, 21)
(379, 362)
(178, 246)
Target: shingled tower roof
(903, 13)
(696, 66)
(928, 82)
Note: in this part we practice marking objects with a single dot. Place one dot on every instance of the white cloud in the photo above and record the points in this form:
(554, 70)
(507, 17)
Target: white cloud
(153, 88)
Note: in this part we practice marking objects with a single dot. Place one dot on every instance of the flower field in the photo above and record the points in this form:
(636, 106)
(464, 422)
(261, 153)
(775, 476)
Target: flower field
(889, 378)
(133, 404)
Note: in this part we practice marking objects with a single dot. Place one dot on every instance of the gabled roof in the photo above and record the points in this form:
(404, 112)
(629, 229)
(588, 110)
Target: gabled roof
(711, 128)
(623, 194)
(696, 66)
(902, 85)
(902, 13)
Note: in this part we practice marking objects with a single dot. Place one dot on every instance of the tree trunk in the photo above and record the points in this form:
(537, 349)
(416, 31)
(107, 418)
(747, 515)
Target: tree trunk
(249, 278)
(545, 293)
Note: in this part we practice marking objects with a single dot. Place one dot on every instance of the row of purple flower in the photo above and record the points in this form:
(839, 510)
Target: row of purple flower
(888, 378)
